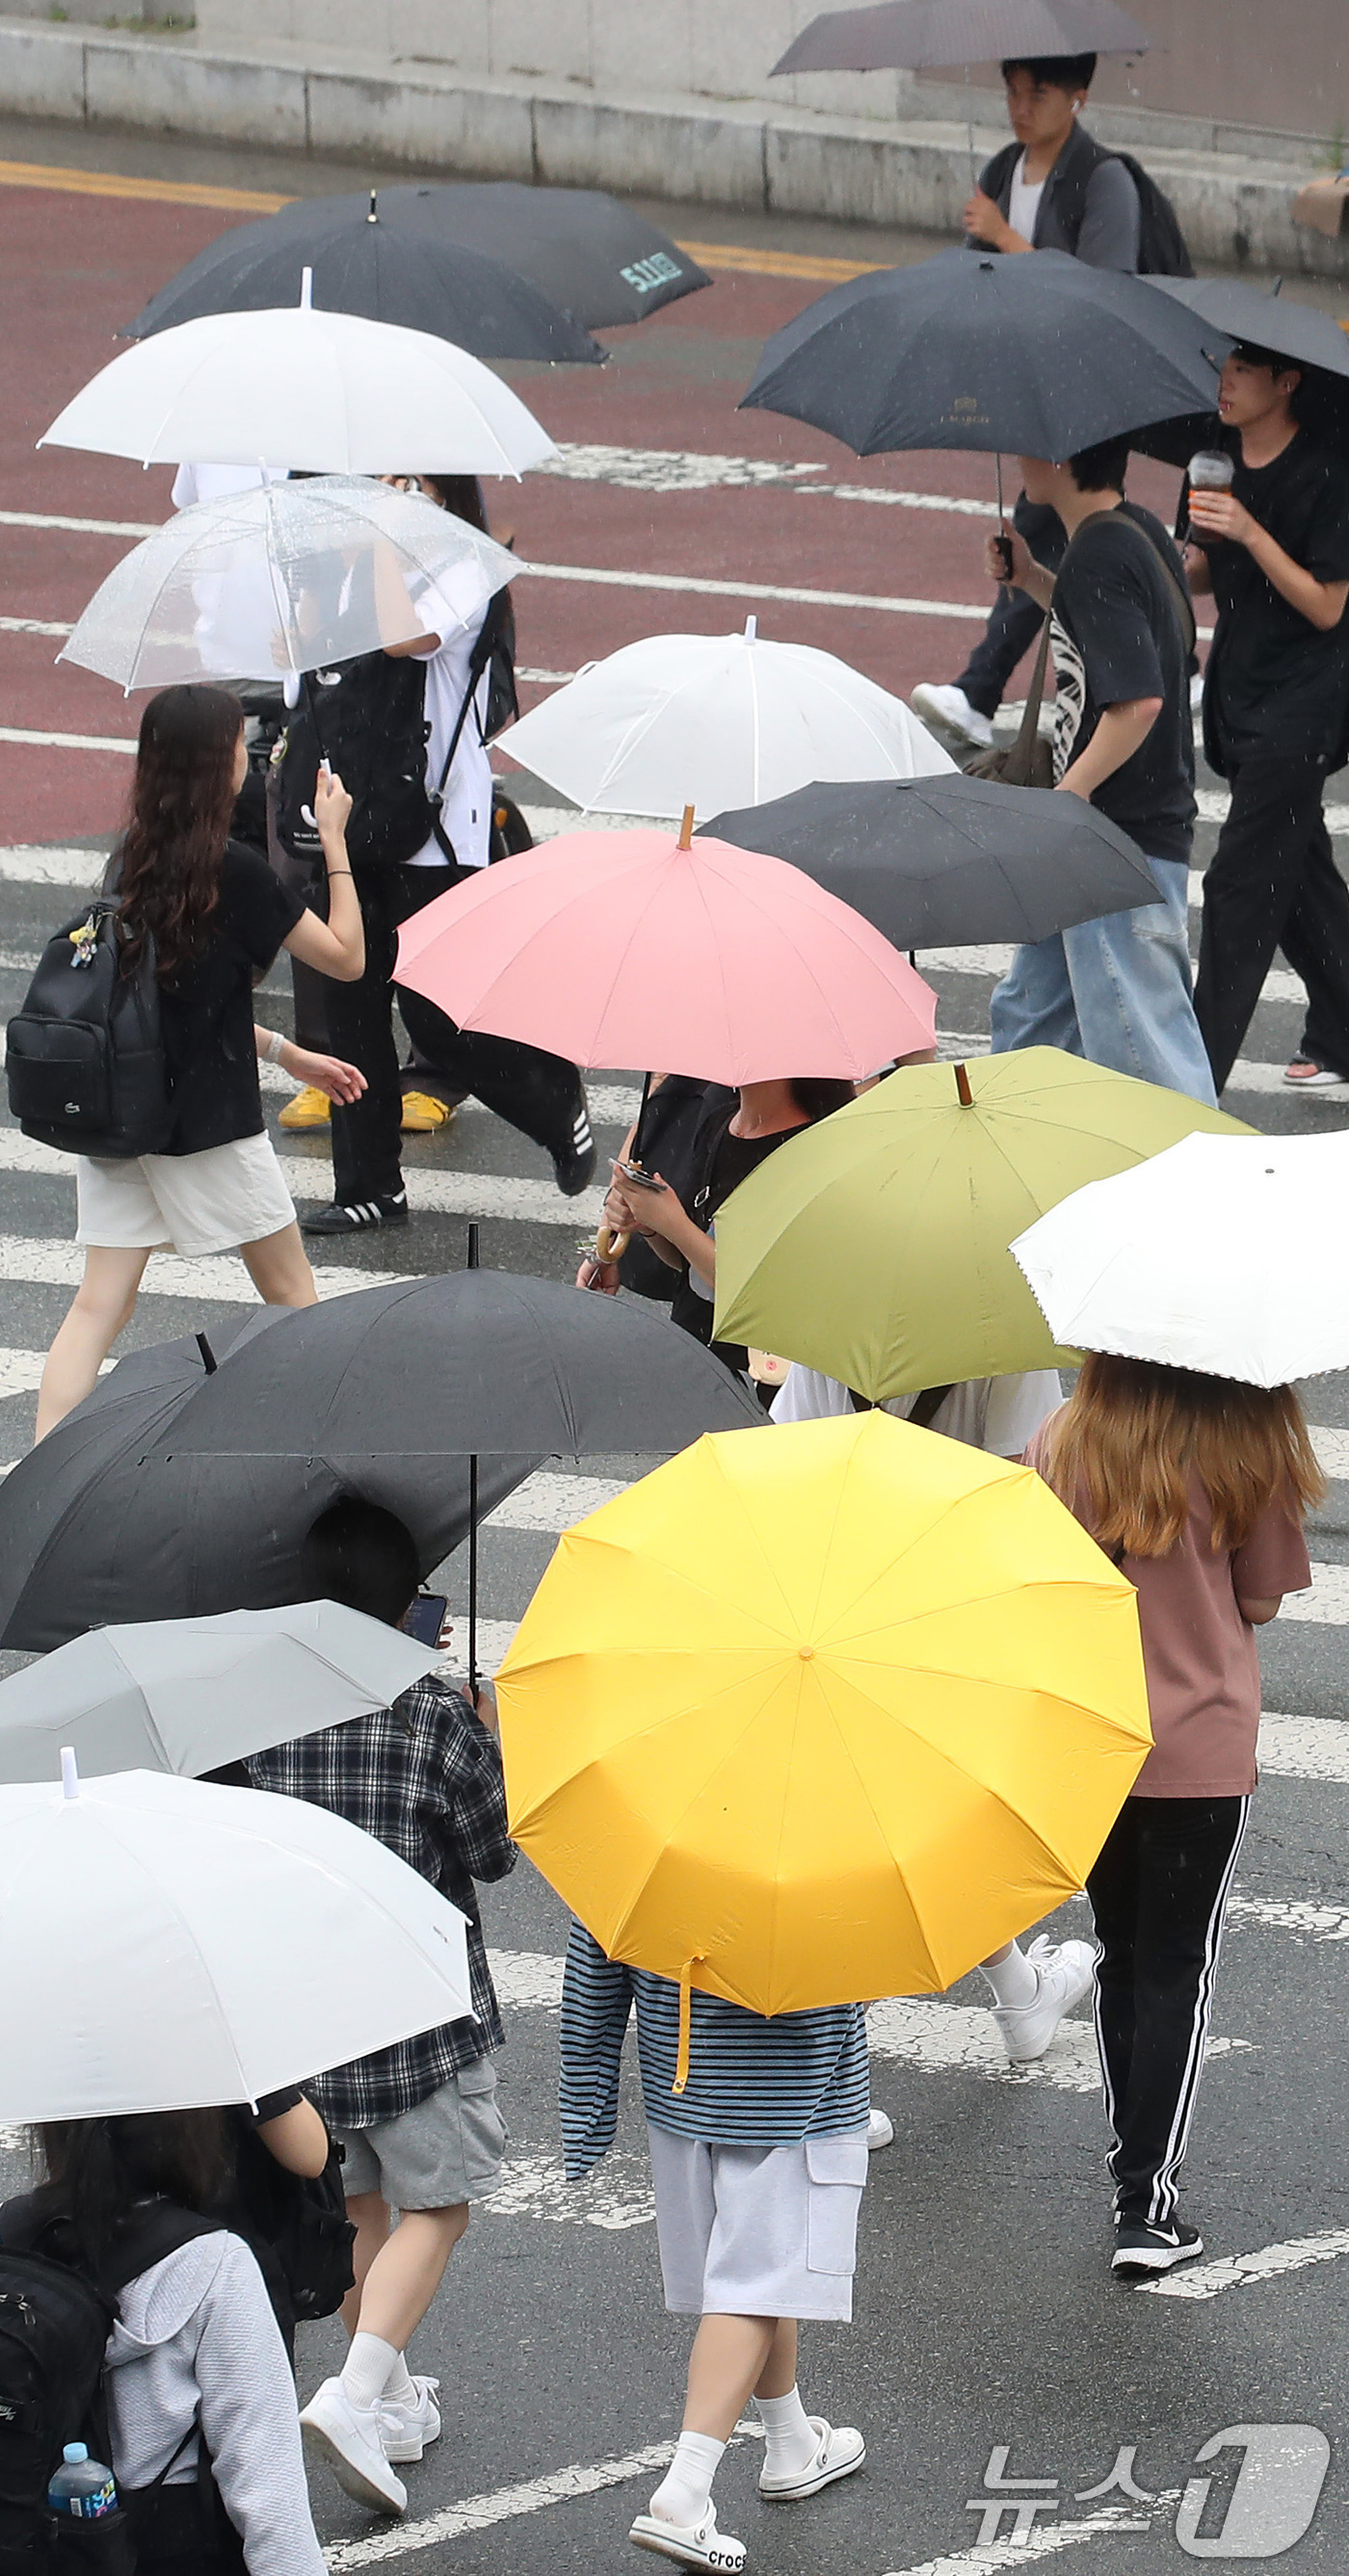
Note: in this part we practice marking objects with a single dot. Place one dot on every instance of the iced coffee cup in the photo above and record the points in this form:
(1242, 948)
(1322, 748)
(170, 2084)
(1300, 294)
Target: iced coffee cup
(1210, 470)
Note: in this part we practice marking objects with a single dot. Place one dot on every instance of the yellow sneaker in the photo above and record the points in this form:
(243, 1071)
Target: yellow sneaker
(309, 1108)
(422, 1115)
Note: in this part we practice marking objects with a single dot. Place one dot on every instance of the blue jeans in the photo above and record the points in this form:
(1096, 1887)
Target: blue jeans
(1117, 991)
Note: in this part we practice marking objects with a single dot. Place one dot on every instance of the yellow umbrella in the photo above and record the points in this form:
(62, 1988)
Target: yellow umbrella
(822, 1713)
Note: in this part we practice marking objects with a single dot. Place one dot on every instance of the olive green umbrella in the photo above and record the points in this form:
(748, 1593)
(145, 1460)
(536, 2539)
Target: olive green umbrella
(873, 1246)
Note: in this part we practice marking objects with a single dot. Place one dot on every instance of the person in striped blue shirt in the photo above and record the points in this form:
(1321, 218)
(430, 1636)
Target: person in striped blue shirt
(758, 2135)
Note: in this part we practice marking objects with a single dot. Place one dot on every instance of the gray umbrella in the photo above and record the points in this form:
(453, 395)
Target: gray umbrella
(1039, 357)
(190, 1695)
(1268, 320)
(102, 1523)
(919, 35)
(942, 862)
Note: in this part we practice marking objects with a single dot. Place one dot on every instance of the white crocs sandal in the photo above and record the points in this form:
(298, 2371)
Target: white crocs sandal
(694, 2545)
(840, 2450)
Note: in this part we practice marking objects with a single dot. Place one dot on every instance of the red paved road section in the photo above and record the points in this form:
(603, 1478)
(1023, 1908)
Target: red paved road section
(76, 267)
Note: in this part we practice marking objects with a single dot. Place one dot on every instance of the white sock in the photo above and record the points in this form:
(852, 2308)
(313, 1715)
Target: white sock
(399, 2389)
(790, 2439)
(365, 2372)
(1013, 1980)
(685, 2491)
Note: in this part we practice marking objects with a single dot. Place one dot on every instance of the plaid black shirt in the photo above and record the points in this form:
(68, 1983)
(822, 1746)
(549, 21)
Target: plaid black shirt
(424, 1777)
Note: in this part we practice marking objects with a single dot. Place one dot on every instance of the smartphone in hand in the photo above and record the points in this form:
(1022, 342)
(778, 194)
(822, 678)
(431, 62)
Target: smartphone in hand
(426, 1617)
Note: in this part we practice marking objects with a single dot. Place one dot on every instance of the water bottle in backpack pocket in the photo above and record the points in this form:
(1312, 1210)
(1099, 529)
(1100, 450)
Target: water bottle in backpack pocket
(84, 1058)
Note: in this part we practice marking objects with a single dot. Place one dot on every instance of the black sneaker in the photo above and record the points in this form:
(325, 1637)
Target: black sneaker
(575, 1165)
(360, 1217)
(1140, 2251)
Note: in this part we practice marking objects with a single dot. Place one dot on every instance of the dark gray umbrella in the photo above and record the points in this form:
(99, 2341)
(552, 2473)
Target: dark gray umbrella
(596, 257)
(1039, 357)
(1298, 332)
(949, 861)
(102, 1523)
(365, 261)
(918, 35)
(471, 1360)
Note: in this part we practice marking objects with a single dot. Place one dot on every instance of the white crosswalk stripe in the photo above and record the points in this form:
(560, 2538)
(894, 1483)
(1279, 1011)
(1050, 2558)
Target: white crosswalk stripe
(480, 1194)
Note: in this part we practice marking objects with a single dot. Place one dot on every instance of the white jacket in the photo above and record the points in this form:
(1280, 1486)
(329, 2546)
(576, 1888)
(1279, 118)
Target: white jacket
(197, 2330)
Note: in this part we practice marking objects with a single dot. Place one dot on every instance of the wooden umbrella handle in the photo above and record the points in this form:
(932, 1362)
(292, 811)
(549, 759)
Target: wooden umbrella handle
(608, 1245)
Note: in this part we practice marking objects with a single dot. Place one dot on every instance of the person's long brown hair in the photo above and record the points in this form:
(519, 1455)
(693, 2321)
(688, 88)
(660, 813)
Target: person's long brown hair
(182, 798)
(95, 2172)
(1132, 1433)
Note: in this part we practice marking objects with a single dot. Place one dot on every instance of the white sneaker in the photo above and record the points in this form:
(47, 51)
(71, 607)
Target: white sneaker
(880, 2131)
(347, 2437)
(695, 2545)
(950, 708)
(838, 2451)
(1063, 1975)
(406, 2429)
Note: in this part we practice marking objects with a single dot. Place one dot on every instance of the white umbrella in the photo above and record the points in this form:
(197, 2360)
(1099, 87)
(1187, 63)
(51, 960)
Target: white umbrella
(1226, 1254)
(165, 1944)
(190, 1695)
(719, 722)
(281, 579)
(298, 387)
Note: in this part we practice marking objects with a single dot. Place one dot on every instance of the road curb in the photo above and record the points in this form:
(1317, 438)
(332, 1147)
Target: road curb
(746, 154)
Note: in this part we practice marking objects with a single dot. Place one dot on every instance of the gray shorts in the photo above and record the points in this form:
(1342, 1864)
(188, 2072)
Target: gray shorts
(445, 2150)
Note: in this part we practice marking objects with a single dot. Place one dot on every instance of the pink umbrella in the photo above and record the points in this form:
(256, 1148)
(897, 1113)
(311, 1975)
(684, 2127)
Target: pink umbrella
(632, 948)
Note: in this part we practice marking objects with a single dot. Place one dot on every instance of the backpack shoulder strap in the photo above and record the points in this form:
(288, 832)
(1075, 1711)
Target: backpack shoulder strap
(161, 2229)
(1180, 598)
(1071, 177)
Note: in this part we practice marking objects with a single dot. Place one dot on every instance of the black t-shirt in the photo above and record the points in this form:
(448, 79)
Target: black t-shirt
(1275, 682)
(721, 1162)
(1117, 636)
(206, 1012)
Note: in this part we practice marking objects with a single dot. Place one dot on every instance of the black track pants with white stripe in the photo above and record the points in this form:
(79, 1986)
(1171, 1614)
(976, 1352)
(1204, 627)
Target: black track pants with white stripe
(1159, 1893)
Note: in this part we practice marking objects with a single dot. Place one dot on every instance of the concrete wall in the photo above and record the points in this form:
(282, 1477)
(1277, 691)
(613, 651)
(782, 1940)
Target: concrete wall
(1220, 60)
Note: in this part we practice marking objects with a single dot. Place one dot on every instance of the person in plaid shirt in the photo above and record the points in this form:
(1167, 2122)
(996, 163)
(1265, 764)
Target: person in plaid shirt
(418, 2122)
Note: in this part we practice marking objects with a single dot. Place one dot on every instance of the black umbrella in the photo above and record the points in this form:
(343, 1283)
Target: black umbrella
(949, 861)
(918, 35)
(102, 1522)
(1038, 356)
(365, 261)
(593, 255)
(1298, 332)
(398, 1380)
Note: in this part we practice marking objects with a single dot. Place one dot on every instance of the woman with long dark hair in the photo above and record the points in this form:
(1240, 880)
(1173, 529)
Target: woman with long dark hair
(1196, 1487)
(214, 915)
(195, 2355)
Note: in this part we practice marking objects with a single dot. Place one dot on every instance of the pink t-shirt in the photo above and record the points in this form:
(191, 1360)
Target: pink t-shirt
(1199, 1654)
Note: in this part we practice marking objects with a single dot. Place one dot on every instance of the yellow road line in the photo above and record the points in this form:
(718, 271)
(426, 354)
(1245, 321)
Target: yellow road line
(164, 192)
(252, 201)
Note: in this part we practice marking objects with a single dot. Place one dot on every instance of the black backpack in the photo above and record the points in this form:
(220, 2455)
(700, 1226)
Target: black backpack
(297, 2226)
(368, 720)
(84, 1058)
(55, 2319)
(1162, 247)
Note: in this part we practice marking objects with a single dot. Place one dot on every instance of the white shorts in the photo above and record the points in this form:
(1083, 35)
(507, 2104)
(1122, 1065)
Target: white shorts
(758, 2231)
(191, 1203)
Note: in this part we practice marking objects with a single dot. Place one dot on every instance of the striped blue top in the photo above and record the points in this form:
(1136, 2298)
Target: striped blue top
(752, 2082)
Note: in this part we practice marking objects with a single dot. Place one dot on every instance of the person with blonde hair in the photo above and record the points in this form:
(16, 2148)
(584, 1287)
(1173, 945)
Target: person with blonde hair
(1196, 1487)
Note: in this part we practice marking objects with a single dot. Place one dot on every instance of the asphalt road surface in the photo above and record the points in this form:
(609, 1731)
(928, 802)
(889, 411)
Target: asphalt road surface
(986, 2321)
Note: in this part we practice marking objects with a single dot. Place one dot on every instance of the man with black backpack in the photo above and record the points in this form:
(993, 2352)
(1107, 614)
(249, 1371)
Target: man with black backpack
(1054, 188)
(409, 728)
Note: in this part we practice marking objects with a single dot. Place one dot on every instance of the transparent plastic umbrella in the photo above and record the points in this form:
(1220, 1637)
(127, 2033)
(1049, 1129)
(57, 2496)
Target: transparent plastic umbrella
(717, 721)
(266, 584)
(296, 386)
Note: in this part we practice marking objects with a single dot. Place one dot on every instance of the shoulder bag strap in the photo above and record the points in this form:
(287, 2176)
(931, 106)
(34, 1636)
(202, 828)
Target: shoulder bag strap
(1017, 765)
(1180, 598)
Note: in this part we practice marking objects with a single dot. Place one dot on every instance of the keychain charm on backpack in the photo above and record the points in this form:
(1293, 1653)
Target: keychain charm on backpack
(84, 941)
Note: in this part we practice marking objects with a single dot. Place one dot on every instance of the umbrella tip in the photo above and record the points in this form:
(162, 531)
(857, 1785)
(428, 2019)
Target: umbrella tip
(963, 1092)
(70, 1778)
(751, 630)
(306, 290)
(686, 829)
